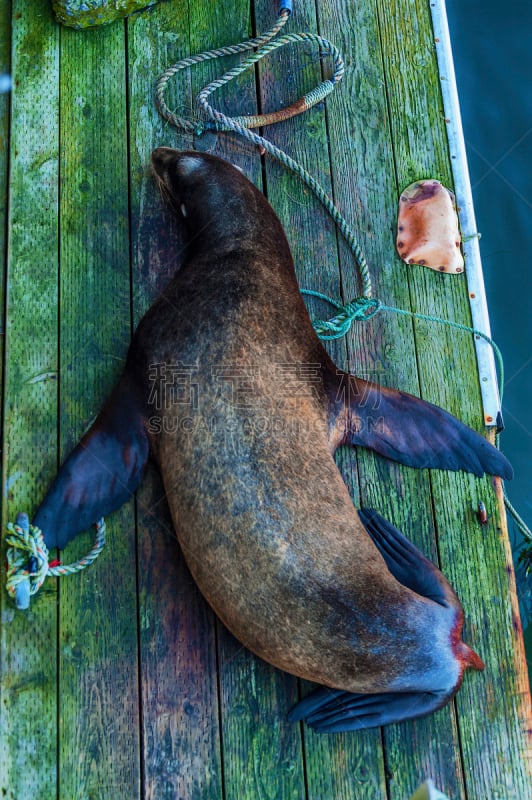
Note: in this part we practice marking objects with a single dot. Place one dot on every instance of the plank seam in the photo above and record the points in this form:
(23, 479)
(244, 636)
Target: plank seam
(217, 646)
(140, 687)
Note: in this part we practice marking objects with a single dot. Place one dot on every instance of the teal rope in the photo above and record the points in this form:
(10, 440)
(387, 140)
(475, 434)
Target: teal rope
(338, 326)
(366, 308)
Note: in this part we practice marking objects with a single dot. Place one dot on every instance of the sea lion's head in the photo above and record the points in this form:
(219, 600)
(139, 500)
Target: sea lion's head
(205, 191)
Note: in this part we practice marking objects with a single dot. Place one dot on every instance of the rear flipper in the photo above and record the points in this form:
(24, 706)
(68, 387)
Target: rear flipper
(334, 711)
(407, 564)
(410, 567)
(101, 473)
(407, 429)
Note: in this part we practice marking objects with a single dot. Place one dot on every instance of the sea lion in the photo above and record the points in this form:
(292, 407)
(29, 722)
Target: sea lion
(229, 390)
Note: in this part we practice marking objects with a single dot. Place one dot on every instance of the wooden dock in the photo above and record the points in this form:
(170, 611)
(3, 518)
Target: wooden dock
(119, 683)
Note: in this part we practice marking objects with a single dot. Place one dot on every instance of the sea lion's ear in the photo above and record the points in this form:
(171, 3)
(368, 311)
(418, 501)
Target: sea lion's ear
(101, 473)
(407, 429)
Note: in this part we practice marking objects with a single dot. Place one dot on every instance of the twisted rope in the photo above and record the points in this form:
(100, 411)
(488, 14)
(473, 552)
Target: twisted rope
(334, 328)
(364, 308)
(27, 559)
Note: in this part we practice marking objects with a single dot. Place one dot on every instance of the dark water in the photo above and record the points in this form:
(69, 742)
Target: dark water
(492, 50)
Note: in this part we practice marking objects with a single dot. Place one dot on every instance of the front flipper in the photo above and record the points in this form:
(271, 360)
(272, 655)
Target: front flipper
(101, 473)
(335, 711)
(407, 429)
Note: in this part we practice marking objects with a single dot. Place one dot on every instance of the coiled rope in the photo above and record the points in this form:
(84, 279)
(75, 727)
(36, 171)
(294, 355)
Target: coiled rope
(217, 121)
(27, 559)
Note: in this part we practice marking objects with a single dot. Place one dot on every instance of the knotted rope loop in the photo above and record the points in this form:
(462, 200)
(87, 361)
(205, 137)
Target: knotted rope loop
(334, 328)
(27, 559)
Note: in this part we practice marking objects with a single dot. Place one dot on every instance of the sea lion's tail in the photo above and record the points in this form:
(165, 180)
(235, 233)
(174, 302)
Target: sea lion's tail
(329, 710)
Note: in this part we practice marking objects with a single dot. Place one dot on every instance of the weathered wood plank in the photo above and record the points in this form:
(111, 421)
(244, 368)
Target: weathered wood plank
(340, 766)
(5, 66)
(181, 740)
(28, 729)
(261, 752)
(179, 681)
(99, 703)
(384, 348)
(475, 561)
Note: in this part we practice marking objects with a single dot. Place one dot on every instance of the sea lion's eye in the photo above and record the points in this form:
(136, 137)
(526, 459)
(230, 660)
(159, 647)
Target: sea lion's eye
(183, 209)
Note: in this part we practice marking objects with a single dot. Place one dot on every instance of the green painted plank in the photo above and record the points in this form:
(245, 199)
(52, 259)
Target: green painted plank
(28, 729)
(344, 765)
(181, 740)
(155, 41)
(261, 751)
(99, 702)
(5, 66)
(492, 707)
(384, 348)
(212, 26)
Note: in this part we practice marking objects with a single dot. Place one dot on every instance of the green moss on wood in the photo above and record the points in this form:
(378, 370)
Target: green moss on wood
(28, 666)
(81, 14)
(99, 718)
